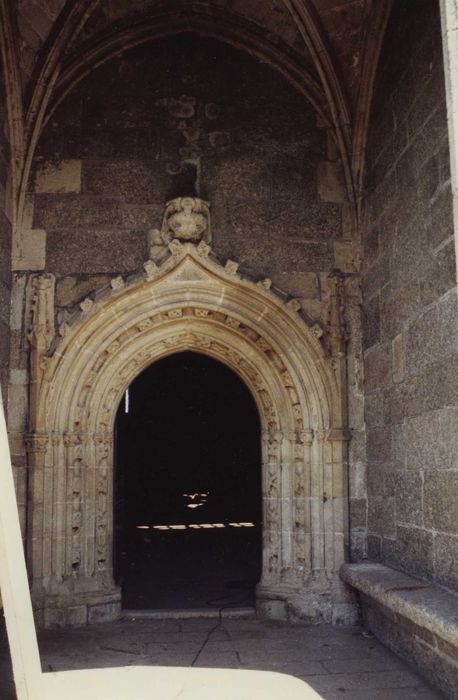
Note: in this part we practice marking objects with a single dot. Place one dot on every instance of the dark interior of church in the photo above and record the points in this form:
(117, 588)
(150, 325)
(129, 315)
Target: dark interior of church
(188, 487)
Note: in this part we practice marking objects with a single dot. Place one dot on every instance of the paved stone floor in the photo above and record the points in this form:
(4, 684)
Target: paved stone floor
(338, 663)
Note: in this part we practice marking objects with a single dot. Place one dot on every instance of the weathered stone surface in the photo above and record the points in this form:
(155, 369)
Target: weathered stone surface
(409, 297)
(377, 363)
(134, 181)
(5, 241)
(378, 445)
(424, 346)
(29, 251)
(440, 276)
(60, 211)
(328, 658)
(411, 551)
(441, 500)
(142, 142)
(381, 516)
(398, 306)
(408, 490)
(358, 512)
(69, 290)
(371, 322)
(398, 358)
(415, 619)
(446, 560)
(330, 182)
(374, 413)
(347, 256)
(63, 176)
(430, 440)
(5, 287)
(95, 251)
(258, 254)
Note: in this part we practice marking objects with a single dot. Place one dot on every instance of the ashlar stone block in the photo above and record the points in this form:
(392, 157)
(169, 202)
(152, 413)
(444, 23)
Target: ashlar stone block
(63, 176)
(441, 500)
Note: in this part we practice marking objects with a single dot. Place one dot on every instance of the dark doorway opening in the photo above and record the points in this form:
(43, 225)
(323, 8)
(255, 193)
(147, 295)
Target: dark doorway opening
(188, 503)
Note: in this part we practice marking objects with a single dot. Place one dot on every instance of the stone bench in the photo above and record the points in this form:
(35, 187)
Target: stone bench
(414, 618)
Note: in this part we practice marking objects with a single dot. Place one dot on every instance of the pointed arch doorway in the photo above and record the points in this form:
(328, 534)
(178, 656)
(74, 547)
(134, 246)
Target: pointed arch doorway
(188, 487)
(189, 302)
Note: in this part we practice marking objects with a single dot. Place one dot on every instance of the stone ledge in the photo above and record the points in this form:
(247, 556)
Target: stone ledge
(423, 603)
(414, 618)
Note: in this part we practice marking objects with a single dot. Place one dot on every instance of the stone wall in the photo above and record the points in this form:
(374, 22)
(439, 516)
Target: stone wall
(186, 116)
(410, 324)
(5, 243)
(178, 117)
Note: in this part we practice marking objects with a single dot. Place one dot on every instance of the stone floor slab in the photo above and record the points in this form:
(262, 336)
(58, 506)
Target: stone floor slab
(339, 663)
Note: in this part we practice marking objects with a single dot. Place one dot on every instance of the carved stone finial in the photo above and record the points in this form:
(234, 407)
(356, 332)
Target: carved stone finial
(86, 305)
(151, 269)
(265, 283)
(231, 267)
(317, 330)
(175, 247)
(203, 249)
(117, 283)
(294, 305)
(187, 219)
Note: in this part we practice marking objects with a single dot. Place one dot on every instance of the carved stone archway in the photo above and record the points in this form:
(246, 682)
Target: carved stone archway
(189, 302)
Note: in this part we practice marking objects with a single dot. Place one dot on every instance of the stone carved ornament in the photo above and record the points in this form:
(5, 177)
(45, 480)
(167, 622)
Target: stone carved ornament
(185, 219)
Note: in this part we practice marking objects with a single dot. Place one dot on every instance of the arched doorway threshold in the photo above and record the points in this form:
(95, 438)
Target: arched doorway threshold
(187, 487)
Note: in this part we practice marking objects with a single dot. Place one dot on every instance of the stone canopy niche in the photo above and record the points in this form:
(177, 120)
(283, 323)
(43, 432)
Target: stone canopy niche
(185, 299)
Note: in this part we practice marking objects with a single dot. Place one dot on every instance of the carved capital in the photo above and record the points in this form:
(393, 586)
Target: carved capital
(56, 439)
(321, 435)
(306, 437)
(72, 439)
(151, 269)
(36, 442)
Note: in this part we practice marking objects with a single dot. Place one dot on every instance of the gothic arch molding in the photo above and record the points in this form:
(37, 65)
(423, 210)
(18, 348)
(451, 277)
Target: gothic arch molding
(189, 302)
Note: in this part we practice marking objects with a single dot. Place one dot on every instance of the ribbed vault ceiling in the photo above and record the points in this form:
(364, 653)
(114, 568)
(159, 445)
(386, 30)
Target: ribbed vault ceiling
(327, 48)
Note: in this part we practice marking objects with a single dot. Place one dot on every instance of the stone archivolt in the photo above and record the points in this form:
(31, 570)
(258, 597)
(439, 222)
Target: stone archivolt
(188, 302)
